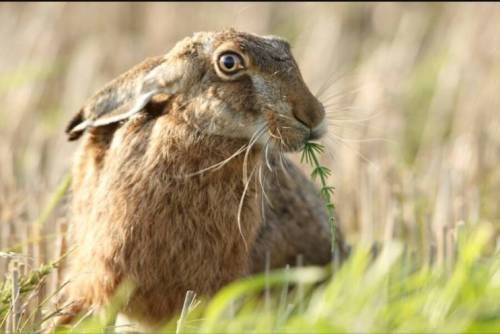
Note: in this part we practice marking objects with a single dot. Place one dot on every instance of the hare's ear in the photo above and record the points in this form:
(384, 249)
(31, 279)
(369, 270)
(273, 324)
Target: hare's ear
(124, 96)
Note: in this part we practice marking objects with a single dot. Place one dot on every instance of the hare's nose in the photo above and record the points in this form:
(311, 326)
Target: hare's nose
(310, 113)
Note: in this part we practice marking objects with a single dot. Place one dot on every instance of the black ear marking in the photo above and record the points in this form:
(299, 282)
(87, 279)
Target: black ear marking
(77, 119)
(156, 106)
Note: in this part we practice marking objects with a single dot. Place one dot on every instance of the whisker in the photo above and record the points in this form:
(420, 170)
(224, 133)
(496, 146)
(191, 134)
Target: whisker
(266, 156)
(284, 163)
(332, 79)
(363, 140)
(240, 207)
(220, 164)
(340, 94)
(287, 117)
(334, 98)
(247, 153)
(263, 207)
(262, 187)
(280, 154)
(369, 118)
(359, 154)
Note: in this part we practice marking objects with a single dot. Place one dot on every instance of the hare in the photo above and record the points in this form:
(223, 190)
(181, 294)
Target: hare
(179, 184)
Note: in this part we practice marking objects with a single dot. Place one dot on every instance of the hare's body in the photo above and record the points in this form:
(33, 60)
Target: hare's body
(146, 223)
(168, 180)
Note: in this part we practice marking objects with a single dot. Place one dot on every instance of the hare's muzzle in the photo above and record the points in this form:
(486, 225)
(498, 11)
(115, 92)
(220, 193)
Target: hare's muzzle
(311, 113)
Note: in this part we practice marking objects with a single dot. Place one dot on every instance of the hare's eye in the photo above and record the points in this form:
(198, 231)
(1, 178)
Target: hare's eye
(230, 62)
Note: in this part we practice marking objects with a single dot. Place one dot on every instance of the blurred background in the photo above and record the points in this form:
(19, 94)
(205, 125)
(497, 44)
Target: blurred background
(412, 92)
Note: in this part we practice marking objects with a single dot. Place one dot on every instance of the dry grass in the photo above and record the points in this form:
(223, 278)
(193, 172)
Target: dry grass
(412, 93)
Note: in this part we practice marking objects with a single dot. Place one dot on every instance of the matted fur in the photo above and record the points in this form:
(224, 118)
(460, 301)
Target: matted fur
(142, 210)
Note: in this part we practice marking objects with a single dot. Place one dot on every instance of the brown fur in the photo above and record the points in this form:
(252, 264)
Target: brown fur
(295, 221)
(142, 211)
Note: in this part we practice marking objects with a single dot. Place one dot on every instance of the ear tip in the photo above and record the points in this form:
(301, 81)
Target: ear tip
(73, 129)
(74, 135)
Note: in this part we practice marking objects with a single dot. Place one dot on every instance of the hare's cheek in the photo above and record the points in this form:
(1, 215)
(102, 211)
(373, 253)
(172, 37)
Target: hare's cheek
(213, 116)
(201, 114)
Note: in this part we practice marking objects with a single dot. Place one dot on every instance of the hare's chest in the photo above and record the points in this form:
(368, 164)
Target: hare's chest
(201, 223)
(198, 244)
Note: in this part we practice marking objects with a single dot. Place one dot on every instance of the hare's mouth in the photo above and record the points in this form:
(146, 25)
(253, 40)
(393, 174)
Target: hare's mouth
(292, 139)
(318, 132)
(289, 134)
(289, 138)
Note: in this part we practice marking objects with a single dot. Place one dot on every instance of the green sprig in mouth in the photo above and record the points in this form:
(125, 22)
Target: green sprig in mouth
(310, 155)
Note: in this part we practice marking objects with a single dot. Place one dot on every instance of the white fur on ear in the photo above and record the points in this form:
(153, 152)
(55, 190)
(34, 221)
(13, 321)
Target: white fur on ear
(140, 103)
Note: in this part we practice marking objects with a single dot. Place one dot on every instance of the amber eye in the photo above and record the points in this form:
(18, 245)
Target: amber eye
(230, 62)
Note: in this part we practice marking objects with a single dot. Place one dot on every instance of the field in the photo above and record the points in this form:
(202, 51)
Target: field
(413, 100)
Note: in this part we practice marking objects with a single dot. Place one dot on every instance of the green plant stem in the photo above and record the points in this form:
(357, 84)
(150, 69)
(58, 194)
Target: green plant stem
(309, 156)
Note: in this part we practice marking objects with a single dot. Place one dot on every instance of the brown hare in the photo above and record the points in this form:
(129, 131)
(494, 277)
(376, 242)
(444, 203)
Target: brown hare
(179, 182)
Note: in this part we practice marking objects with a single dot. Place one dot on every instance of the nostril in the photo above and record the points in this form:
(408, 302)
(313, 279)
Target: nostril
(307, 116)
(301, 119)
(311, 116)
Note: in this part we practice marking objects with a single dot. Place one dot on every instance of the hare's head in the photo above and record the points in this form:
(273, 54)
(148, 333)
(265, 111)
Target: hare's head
(232, 84)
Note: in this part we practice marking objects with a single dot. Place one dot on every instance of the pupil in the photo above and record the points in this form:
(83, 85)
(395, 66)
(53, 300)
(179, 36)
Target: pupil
(228, 62)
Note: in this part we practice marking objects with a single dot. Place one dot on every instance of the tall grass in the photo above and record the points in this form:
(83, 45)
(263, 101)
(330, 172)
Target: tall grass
(391, 293)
